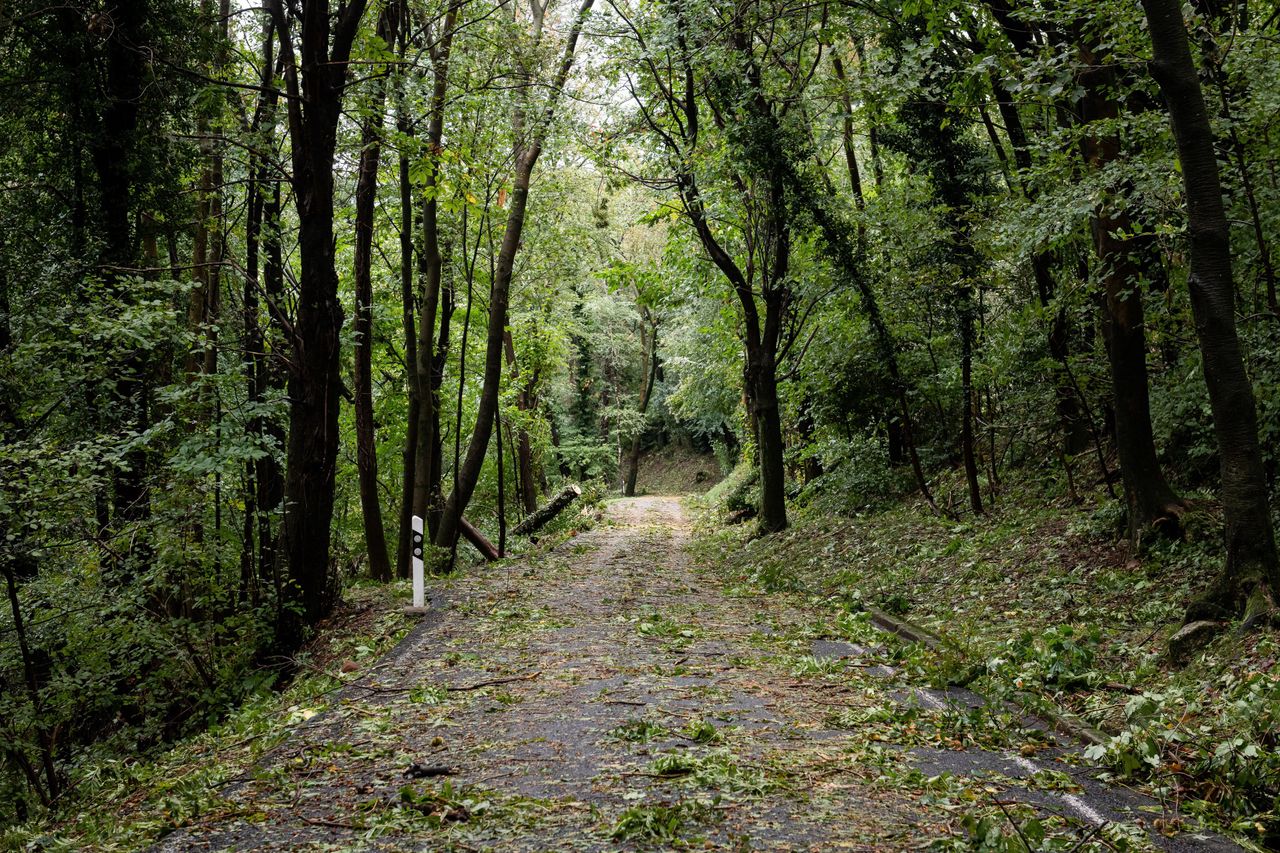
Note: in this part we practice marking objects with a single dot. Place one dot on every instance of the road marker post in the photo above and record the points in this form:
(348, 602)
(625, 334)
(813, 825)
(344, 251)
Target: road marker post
(419, 581)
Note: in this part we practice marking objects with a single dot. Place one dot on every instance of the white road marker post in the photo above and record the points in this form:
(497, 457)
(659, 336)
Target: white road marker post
(419, 582)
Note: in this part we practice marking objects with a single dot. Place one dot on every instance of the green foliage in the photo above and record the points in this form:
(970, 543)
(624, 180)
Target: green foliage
(661, 823)
(719, 769)
(639, 731)
(1222, 742)
(145, 356)
(1061, 656)
(702, 731)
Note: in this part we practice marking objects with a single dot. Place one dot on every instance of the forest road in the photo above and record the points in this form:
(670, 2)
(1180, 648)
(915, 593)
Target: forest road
(615, 694)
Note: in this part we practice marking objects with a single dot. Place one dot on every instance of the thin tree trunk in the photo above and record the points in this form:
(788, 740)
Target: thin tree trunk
(850, 155)
(651, 376)
(468, 473)
(256, 539)
(429, 350)
(1151, 503)
(1251, 574)
(1075, 438)
(502, 484)
(252, 345)
(527, 486)
(366, 431)
(967, 451)
(409, 453)
(271, 377)
(49, 784)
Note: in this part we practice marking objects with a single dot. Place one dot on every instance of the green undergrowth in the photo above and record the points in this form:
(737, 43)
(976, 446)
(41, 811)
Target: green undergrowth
(126, 804)
(1040, 604)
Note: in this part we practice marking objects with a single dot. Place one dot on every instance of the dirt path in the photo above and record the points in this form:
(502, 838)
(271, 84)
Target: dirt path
(612, 695)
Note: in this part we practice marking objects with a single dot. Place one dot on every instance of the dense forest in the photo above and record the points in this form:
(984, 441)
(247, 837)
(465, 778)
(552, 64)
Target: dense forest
(275, 279)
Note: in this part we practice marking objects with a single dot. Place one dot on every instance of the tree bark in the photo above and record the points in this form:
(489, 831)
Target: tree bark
(316, 81)
(366, 431)
(1151, 503)
(651, 374)
(1251, 573)
(526, 157)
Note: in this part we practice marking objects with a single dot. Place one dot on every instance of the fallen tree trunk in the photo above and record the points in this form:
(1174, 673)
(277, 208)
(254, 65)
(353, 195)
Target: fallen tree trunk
(540, 517)
(476, 538)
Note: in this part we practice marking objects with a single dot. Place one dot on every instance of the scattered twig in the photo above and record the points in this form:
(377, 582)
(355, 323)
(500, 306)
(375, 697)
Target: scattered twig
(1083, 841)
(1150, 636)
(458, 688)
(332, 824)
(1013, 823)
(424, 771)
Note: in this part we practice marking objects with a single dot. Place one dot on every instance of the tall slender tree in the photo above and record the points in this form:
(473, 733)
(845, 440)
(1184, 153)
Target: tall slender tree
(375, 539)
(1251, 573)
(530, 132)
(315, 74)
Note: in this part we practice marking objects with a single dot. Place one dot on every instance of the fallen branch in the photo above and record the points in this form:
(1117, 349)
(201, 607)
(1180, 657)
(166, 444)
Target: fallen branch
(332, 824)
(486, 548)
(544, 514)
(461, 687)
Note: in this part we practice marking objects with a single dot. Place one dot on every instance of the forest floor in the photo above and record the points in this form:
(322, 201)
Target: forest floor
(621, 692)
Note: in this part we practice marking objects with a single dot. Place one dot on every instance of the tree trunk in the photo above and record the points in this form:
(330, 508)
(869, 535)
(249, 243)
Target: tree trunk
(502, 483)
(429, 350)
(408, 308)
(850, 156)
(1251, 573)
(112, 153)
(967, 452)
(316, 83)
(1075, 434)
(526, 157)
(468, 473)
(253, 342)
(763, 382)
(528, 487)
(651, 375)
(1152, 505)
(539, 518)
(366, 432)
(473, 535)
(1213, 56)
(271, 376)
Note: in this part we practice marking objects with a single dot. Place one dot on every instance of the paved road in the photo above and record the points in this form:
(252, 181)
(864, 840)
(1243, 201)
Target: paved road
(613, 695)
